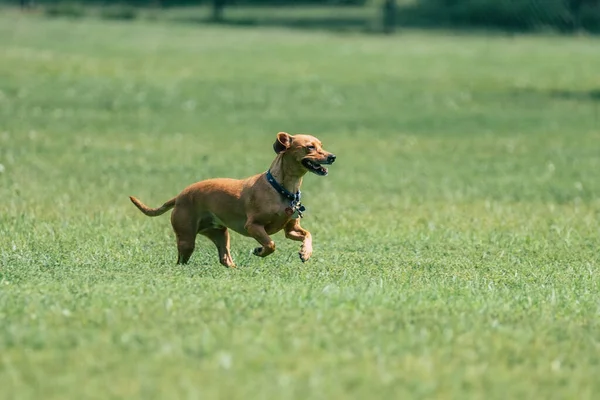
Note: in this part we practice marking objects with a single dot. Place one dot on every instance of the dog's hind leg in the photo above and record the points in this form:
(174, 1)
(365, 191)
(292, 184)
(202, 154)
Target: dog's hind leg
(220, 237)
(186, 229)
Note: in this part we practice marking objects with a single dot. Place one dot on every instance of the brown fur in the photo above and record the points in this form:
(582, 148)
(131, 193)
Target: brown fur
(250, 207)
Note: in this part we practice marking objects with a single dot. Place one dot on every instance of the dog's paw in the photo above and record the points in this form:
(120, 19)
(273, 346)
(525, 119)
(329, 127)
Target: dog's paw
(304, 255)
(264, 250)
(305, 251)
(227, 262)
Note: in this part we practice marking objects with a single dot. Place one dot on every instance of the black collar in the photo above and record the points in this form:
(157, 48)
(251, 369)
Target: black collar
(293, 198)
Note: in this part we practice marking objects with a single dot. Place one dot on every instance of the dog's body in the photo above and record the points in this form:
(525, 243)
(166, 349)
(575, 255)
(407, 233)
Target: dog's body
(251, 207)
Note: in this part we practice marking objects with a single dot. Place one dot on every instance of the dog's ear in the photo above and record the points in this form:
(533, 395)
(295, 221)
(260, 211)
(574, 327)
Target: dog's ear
(282, 143)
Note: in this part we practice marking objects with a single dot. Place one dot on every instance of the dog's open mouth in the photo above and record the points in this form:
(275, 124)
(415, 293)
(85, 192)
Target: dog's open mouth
(314, 167)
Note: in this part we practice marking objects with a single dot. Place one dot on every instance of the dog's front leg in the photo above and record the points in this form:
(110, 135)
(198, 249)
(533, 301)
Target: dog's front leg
(294, 231)
(258, 232)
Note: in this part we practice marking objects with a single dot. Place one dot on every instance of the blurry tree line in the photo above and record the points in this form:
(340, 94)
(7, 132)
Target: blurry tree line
(523, 15)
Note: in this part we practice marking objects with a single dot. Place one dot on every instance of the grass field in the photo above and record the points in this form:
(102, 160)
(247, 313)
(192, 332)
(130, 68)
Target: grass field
(456, 238)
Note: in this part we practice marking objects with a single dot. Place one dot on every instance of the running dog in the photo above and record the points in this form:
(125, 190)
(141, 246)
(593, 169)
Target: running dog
(258, 206)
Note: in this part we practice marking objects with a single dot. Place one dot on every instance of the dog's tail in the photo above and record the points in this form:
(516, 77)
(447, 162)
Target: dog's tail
(153, 212)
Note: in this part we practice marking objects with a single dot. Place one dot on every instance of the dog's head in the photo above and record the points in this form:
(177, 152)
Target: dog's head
(306, 150)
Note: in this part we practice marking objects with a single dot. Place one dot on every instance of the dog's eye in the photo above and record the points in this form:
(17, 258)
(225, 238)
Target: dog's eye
(310, 148)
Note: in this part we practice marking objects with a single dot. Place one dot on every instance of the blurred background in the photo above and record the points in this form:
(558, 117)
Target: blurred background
(345, 15)
(455, 239)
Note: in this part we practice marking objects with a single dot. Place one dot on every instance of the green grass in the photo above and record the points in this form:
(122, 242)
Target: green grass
(456, 237)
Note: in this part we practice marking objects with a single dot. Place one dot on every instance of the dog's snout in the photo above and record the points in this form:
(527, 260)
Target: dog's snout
(331, 158)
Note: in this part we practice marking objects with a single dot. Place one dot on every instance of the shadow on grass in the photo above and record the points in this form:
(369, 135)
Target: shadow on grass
(592, 95)
(368, 24)
(581, 95)
(332, 24)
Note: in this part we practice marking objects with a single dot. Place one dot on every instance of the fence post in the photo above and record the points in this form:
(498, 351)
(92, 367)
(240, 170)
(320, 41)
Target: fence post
(218, 6)
(389, 16)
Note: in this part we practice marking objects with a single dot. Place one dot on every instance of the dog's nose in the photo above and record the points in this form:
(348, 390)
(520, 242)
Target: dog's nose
(331, 158)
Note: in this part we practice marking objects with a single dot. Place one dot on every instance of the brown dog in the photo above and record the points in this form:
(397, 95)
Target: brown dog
(258, 206)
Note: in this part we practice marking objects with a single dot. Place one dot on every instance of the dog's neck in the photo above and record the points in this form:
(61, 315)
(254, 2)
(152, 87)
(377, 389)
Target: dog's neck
(287, 172)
